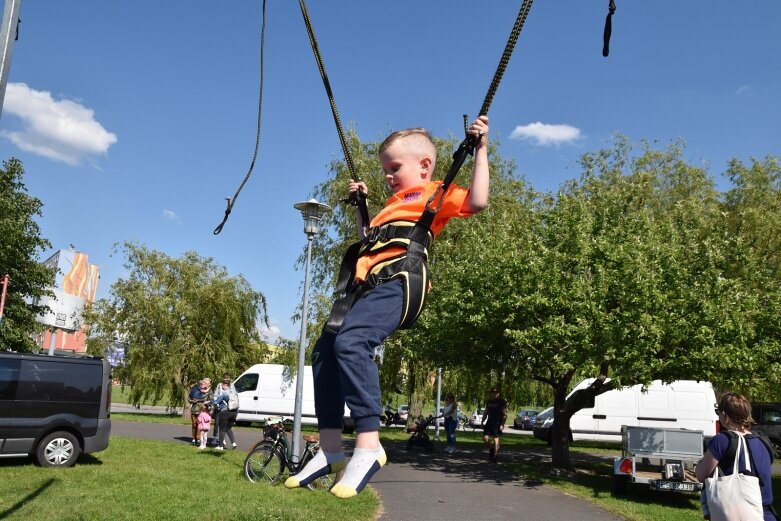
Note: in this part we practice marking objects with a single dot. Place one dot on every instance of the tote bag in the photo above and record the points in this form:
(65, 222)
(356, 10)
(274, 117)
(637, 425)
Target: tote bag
(736, 497)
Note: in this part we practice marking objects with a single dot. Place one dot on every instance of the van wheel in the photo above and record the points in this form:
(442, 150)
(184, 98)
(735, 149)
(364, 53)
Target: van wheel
(58, 449)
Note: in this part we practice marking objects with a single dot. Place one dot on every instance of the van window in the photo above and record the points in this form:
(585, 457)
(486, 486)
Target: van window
(770, 416)
(59, 382)
(9, 377)
(248, 382)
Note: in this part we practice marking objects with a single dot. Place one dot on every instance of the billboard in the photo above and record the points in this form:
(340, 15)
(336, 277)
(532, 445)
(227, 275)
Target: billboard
(75, 284)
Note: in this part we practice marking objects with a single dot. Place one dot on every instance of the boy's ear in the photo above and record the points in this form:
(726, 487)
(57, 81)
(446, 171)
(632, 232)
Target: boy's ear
(425, 168)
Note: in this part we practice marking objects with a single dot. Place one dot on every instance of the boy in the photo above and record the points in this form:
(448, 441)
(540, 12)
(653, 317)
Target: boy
(343, 364)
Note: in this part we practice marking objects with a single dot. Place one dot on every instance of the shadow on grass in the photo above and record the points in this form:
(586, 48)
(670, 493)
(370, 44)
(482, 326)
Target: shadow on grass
(29, 497)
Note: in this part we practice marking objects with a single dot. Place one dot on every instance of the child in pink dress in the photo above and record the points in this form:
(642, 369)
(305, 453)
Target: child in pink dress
(204, 424)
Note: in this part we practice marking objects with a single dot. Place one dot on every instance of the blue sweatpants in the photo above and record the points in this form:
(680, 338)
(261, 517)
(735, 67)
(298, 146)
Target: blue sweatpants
(343, 366)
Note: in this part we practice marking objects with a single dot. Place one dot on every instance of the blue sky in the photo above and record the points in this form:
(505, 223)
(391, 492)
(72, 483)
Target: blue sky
(135, 120)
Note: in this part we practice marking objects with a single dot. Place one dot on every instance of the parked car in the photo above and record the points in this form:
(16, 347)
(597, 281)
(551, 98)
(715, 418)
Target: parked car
(525, 419)
(768, 418)
(404, 412)
(476, 417)
(542, 424)
(53, 407)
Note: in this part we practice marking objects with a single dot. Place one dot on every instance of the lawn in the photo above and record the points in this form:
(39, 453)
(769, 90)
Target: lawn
(140, 479)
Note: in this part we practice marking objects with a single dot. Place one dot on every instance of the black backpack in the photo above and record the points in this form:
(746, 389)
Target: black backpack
(728, 460)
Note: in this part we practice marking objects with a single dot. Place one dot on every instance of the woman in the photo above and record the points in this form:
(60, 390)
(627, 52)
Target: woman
(225, 417)
(734, 413)
(450, 413)
(199, 393)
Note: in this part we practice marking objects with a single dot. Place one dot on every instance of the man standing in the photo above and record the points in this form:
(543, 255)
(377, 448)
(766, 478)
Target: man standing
(494, 418)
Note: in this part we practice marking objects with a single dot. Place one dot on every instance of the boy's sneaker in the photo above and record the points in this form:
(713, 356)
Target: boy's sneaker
(234, 445)
(218, 447)
(202, 446)
(195, 442)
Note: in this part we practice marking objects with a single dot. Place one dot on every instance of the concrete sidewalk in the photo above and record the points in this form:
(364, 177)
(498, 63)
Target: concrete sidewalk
(431, 486)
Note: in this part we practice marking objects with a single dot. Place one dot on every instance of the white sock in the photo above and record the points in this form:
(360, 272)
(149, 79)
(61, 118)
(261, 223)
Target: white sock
(323, 463)
(362, 466)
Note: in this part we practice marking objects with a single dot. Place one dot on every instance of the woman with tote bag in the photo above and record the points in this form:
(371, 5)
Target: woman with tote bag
(737, 488)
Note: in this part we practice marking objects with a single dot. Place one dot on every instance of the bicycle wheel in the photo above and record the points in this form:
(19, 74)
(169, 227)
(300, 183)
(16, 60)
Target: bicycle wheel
(264, 463)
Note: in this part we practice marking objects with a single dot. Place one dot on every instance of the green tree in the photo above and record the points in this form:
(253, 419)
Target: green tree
(20, 245)
(180, 319)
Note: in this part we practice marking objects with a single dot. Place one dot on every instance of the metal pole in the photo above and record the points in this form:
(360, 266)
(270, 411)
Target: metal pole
(7, 37)
(301, 355)
(2, 298)
(439, 397)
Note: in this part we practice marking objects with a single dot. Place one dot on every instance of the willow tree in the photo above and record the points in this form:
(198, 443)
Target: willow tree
(21, 243)
(180, 319)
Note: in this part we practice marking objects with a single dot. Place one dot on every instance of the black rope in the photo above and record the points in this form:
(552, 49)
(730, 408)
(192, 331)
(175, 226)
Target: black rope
(231, 202)
(467, 146)
(356, 198)
(608, 29)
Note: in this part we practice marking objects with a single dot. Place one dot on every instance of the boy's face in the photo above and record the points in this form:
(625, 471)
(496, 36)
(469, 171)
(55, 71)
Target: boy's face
(404, 168)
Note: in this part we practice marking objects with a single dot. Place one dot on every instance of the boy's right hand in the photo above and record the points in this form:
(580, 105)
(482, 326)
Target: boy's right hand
(360, 185)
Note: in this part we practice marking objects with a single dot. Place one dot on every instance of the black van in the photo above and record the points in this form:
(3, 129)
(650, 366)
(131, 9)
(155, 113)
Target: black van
(768, 418)
(53, 407)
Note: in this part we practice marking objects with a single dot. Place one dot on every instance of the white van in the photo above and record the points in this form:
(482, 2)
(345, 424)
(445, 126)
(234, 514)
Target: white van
(267, 390)
(683, 404)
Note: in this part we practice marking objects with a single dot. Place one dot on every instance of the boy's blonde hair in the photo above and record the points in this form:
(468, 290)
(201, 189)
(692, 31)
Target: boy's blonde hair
(416, 140)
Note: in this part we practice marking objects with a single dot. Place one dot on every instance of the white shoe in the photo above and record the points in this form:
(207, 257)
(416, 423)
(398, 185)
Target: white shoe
(219, 447)
(202, 446)
(234, 445)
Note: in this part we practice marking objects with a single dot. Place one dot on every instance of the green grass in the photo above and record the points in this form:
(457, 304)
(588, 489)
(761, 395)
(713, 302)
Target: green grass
(142, 479)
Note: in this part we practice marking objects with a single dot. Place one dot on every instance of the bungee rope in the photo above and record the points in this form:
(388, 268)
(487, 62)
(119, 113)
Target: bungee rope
(356, 198)
(608, 29)
(230, 202)
(467, 146)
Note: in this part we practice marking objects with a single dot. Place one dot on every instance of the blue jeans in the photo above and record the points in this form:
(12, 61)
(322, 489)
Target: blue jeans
(343, 366)
(450, 430)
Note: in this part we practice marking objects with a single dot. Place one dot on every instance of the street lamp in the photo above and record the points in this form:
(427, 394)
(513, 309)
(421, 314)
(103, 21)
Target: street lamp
(312, 212)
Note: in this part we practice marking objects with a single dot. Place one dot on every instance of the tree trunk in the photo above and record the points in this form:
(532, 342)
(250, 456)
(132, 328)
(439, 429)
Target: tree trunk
(560, 430)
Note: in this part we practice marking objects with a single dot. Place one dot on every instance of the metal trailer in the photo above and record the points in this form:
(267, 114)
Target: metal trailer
(662, 458)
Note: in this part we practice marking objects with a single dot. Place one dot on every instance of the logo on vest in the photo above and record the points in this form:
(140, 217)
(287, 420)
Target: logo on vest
(412, 196)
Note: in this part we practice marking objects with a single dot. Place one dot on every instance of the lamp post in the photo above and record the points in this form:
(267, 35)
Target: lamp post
(312, 212)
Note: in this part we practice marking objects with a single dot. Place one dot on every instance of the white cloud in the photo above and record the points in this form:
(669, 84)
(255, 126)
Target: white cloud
(743, 89)
(171, 215)
(61, 130)
(543, 134)
(271, 332)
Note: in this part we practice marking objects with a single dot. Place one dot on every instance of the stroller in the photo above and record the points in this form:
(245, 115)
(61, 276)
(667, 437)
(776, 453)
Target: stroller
(419, 435)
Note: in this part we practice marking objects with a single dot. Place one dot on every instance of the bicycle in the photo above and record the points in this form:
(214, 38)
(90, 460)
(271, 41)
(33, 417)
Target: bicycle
(269, 458)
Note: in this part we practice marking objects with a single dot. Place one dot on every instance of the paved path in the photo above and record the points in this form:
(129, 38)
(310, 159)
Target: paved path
(423, 486)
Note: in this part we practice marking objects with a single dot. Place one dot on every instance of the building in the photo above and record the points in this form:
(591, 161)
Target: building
(75, 284)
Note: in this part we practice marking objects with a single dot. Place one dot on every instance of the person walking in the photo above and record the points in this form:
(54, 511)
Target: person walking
(734, 412)
(226, 416)
(450, 413)
(493, 420)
